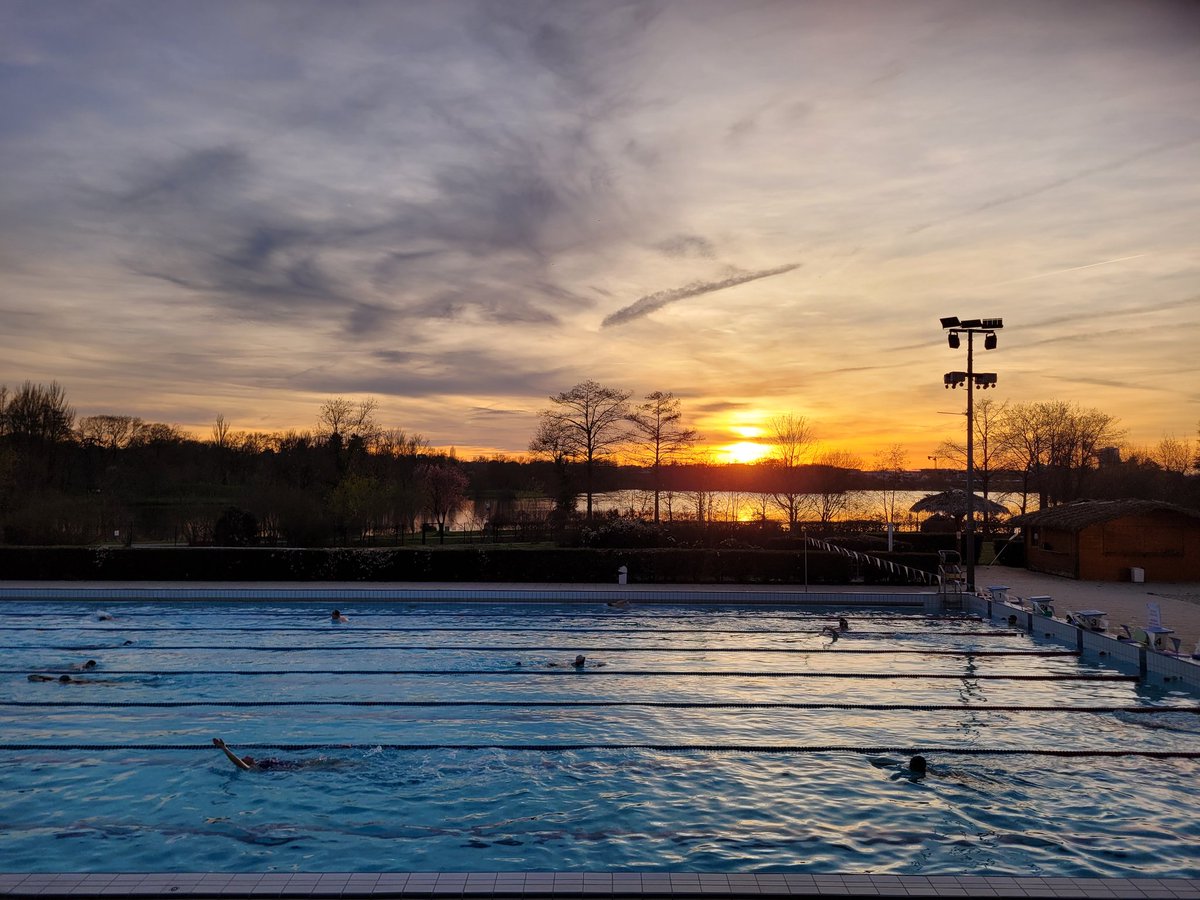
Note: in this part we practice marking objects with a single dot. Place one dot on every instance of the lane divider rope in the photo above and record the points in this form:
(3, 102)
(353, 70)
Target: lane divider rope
(597, 673)
(342, 647)
(587, 704)
(795, 749)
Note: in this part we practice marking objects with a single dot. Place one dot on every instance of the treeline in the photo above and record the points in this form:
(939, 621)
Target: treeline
(350, 481)
(1062, 452)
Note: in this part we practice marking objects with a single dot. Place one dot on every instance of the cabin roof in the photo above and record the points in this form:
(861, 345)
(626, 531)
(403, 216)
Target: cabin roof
(1079, 515)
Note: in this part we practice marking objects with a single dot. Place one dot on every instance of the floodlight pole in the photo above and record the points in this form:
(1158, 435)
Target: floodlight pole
(971, 327)
(969, 537)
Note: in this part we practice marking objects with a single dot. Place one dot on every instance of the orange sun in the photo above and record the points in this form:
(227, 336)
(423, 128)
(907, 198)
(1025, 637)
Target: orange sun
(745, 452)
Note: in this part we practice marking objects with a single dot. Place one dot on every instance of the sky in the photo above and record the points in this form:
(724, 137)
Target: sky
(461, 208)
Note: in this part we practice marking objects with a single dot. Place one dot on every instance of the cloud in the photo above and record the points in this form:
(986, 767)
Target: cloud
(654, 302)
(687, 245)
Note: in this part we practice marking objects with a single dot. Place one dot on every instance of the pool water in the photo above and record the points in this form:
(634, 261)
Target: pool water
(438, 734)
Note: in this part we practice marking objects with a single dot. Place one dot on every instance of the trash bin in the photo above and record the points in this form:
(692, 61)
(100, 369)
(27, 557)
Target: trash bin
(1137, 575)
(623, 575)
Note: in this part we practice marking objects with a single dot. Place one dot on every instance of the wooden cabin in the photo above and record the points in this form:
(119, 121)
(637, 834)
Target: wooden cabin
(1111, 540)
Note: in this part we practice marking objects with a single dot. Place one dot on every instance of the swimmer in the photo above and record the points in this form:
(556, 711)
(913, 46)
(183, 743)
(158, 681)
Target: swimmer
(579, 662)
(338, 617)
(1012, 621)
(918, 767)
(85, 666)
(104, 617)
(250, 764)
(70, 679)
(830, 632)
(617, 604)
(843, 625)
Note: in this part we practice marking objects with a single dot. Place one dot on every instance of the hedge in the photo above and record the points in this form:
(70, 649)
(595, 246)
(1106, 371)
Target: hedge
(479, 563)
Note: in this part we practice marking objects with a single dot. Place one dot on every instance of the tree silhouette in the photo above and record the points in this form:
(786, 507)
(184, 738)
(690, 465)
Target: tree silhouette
(658, 436)
(792, 441)
(586, 424)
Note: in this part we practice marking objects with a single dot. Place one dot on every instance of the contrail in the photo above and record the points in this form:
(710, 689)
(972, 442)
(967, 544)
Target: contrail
(651, 302)
(1071, 269)
(1057, 183)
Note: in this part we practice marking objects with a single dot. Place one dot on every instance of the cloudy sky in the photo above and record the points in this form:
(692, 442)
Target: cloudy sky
(459, 208)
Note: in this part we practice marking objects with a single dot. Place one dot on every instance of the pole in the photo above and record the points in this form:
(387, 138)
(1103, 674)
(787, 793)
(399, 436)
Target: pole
(804, 534)
(970, 541)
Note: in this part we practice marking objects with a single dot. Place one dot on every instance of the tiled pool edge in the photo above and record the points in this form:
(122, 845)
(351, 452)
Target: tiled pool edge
(582, 884)
(928, 600)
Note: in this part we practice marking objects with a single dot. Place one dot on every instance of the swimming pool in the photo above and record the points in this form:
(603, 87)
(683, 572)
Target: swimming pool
(459, 737)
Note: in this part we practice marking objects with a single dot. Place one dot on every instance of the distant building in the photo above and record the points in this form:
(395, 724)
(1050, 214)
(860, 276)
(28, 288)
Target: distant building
(1102, 540)
(1108, 456)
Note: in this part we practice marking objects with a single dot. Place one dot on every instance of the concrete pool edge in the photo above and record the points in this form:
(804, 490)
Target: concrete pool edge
(1165, 667)
(581, 884)
(441, 592)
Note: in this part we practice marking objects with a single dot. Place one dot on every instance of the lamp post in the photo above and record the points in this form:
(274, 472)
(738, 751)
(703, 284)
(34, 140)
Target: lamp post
(983, 380)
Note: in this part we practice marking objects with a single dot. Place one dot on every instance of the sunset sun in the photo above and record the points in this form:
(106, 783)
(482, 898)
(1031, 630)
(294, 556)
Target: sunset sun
(745, 452)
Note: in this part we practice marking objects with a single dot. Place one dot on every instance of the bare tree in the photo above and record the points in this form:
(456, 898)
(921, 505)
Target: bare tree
(220, 432)
(346, 420)
(792, 442)
(832, 477)
(1056, 444)
(107, 431)
(37, 413)
(992, 451)
(889, 466)
(586, 424)
(445, 487)
(659, 437)
(1172, 454)
(397, 443)
(148, 433)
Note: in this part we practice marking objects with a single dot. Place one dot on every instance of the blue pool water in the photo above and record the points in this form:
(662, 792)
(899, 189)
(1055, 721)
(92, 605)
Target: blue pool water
(120, 774)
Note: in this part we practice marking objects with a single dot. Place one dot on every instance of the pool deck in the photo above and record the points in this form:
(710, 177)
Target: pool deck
(556, 885)
(1180, 605)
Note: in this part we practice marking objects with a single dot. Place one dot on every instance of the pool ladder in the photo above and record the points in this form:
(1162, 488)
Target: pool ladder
(952, 579)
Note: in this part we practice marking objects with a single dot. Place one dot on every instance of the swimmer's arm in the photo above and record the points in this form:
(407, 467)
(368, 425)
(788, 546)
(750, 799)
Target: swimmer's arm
(233, 757)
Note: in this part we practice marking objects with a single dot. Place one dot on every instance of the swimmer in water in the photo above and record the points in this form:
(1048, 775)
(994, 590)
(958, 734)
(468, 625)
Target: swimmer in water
(1012, 620)
(338, 617)
(831, 632)
(250, 764)
(85, 666)
(578, 663)
(617, 604)
(843, 625)
(70, 679)
(917, 767)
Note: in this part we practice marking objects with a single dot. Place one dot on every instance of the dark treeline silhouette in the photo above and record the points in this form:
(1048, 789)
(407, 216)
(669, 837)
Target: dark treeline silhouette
(349, 481)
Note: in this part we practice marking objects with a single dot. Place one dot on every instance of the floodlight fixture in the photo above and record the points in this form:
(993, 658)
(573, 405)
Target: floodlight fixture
(949, 321)
(989, 341)
(992, 323)
(953, 340)
(970, 323)
(985, 380)
(954, 379)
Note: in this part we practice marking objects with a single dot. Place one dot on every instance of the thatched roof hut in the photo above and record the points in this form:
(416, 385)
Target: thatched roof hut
(954, 503)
